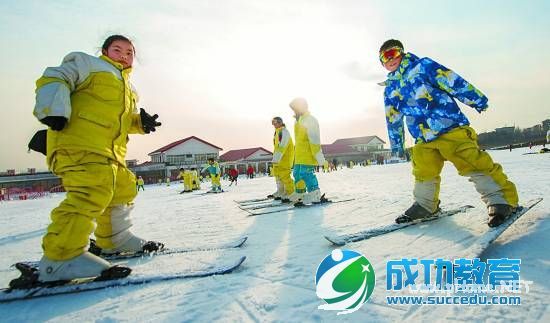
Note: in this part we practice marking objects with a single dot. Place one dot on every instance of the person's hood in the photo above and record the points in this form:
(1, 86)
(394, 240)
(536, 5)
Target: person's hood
(299, 105)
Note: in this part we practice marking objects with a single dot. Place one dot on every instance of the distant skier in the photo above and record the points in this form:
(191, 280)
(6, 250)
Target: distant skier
(181, 175)
(283, 157)
(233, 176)
(196, 179)
(326, 167)
(250, 171)
(548, 137)
(423, 91)
(89, 105)
(187, 178)
(307, 154)
(140, 184)
(213, 169)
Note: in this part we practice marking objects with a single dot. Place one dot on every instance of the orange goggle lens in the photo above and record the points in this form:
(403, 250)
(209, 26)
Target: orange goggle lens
(390, 54)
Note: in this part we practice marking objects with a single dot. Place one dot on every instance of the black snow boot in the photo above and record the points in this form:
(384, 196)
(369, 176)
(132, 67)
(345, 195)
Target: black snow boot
(498, 213)
(416, 212)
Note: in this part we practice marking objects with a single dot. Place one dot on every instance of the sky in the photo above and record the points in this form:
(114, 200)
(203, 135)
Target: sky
(221, 70)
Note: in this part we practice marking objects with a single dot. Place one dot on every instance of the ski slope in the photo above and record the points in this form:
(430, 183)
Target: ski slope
(276, 282)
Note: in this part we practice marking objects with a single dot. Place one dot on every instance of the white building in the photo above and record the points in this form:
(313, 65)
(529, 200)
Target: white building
(366, 143)
(357, 149)
(190, 152)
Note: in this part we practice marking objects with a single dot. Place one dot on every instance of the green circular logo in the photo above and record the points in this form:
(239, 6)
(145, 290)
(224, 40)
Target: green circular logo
(344, 280)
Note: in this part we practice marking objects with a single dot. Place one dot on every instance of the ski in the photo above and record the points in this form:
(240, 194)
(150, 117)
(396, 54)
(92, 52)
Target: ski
(493, 233)
(88, 284)
(209, 192)
(254, 201)
(262, 205)
(272, 204)
(364, 235)
(287, 207)
(167, 251)
(230, 245)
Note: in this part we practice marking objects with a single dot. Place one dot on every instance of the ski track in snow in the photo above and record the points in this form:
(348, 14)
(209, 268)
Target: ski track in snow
(276, 282)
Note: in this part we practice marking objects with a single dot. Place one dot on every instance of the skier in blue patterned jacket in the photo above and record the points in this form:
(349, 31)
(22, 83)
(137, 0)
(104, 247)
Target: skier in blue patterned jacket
(422, 93)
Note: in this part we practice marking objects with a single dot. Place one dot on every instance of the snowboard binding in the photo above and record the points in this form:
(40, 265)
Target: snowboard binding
(417, 213)
(499, 213)
(28, 278)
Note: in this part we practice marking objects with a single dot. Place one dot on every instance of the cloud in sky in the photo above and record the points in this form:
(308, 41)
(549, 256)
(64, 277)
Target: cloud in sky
(221, 70)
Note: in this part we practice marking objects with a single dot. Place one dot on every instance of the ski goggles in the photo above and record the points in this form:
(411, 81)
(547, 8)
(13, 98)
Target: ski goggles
(390, 54)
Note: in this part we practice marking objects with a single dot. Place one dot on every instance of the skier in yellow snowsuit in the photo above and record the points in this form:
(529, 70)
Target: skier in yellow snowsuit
(283, 158)
(308, 154)
(187, 176)
(140, 183)
(196, 179)
(89, 105)
(326, 167)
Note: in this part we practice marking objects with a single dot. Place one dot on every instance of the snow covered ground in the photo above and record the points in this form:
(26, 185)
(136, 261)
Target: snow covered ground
(276, 282)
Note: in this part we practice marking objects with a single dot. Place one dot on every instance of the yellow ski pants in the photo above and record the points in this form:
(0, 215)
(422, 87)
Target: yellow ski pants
(96, 186)
(282, 174)
(459, 146)
(215, 180)
(187, 181)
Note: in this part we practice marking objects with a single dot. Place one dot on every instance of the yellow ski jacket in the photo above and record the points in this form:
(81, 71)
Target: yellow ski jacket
(308, 141)
(283, 152)
(95, 95)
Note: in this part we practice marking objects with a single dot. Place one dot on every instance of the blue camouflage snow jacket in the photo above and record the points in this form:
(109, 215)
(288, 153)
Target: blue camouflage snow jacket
(423, 91)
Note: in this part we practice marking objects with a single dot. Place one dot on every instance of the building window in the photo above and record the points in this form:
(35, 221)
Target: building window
(204, 157)
(188, 159)
(175, 159)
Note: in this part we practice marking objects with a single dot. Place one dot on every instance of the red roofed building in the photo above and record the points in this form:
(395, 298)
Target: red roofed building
(240, 159)
(356, 149)
(190, 152)
(187, 151)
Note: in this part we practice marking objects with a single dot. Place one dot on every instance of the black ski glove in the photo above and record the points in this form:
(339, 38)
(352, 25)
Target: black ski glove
(148, 122)
(55, 123)
(38, 142)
